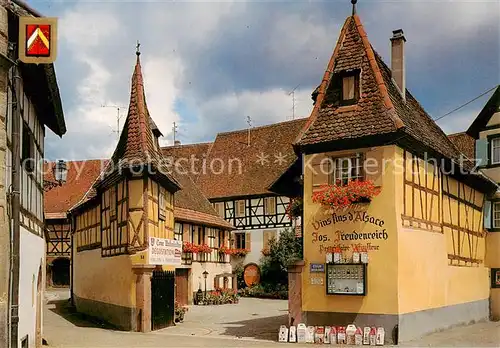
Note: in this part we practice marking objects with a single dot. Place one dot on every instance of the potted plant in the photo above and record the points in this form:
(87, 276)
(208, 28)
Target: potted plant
(179, 312)
(204, 249)
(295, 208)
(343, 196)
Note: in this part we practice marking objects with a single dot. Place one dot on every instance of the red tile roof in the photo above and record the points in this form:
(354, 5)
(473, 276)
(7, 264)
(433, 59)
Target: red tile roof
(233, 168)
(189, 215)
(191, 203)
(81, 176)
(138, 143)
(381, 114)
(464, 143)
(184, 153)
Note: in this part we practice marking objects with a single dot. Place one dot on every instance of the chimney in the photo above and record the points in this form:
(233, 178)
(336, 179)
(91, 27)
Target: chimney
(177, 143)
(398, 60)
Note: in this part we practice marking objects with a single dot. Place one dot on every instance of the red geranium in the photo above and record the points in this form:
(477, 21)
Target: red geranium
(337, 196)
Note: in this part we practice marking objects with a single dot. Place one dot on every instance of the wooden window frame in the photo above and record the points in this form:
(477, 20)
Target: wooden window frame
(179, 231)
(494, 228)
(345, 75)
(237, 211)
(220, 209)
(241, 238)
(359, 156)
(491, 139)
(162, 204)
(270, 202)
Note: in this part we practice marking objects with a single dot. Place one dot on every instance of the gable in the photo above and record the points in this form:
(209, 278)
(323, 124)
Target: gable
(488, 115)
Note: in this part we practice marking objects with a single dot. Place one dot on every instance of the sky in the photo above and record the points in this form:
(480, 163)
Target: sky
(209, 65)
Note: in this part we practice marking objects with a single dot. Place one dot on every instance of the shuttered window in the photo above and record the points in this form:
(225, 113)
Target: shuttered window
(495, 150)
(496, 215)
(239, 240)
(346, 169)
(240, 208)
(270, 205)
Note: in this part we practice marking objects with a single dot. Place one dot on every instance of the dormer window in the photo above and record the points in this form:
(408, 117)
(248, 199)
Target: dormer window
(350, 87)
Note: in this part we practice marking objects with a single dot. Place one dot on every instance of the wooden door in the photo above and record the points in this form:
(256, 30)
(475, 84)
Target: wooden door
(162, 299)
(181, 286)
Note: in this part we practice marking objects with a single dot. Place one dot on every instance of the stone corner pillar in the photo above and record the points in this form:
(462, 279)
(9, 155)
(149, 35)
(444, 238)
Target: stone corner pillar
(295, 292)
(143, 296)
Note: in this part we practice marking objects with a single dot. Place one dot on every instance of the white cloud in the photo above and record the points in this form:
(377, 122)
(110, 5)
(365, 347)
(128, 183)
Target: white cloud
(264, 108)
(177, 37)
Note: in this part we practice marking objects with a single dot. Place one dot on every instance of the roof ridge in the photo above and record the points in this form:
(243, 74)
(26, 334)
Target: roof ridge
(263, 126)
(186, 145)
(457, 133)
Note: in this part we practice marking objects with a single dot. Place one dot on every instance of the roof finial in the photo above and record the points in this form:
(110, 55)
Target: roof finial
(353, 2)
(138, 51)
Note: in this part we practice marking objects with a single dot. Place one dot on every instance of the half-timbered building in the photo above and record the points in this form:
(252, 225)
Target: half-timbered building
(131, 202)
(236, 173)
(197, 223)
(58, 201)
(30, 102)
(481, 141)
(420, 233)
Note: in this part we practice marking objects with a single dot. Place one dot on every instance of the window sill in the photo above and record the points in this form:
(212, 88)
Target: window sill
(346, 108)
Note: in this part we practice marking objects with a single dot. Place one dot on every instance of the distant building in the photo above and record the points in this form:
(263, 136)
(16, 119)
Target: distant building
(57, 203)
(238, 173)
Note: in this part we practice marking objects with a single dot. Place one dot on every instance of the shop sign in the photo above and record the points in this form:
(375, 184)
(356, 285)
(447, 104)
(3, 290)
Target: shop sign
(317, 268)
(165, 251)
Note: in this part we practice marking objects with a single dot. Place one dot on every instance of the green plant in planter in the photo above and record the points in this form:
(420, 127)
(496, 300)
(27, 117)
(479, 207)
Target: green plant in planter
(180, 311)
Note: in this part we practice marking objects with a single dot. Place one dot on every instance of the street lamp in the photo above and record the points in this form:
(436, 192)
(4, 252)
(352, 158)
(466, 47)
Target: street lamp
(60, 172)
(205, 274)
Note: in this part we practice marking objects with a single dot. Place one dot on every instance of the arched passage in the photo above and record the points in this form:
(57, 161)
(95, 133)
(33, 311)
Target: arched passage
(60, 272)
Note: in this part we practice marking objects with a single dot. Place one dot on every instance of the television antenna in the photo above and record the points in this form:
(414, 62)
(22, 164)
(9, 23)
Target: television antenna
(118, 117)
(292, 93)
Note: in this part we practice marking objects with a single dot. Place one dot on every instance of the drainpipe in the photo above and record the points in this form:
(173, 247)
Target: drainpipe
(72, 258)
(15, 205)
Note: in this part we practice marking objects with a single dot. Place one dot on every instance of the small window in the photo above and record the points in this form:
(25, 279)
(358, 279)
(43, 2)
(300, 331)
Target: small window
(211, 238)
(178, 235)
(239, 240)
(28, 150)
(350, 88)
(162, 209)
(270, 205)
(495, 151)
(240, 208)
(112, 202)
(346, 169)
(496, 215)
(219, 208)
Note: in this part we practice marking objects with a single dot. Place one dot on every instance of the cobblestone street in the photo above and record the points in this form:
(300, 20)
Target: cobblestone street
(251, 323)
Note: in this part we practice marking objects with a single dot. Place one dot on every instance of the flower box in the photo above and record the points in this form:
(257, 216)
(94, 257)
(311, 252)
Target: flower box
(342, 196)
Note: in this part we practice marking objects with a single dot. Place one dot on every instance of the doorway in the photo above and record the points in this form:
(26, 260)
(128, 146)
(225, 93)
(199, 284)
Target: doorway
(61, 272)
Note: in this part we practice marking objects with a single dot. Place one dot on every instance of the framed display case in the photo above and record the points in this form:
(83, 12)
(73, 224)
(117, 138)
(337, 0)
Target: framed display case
(346, 279)
(495, 278)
